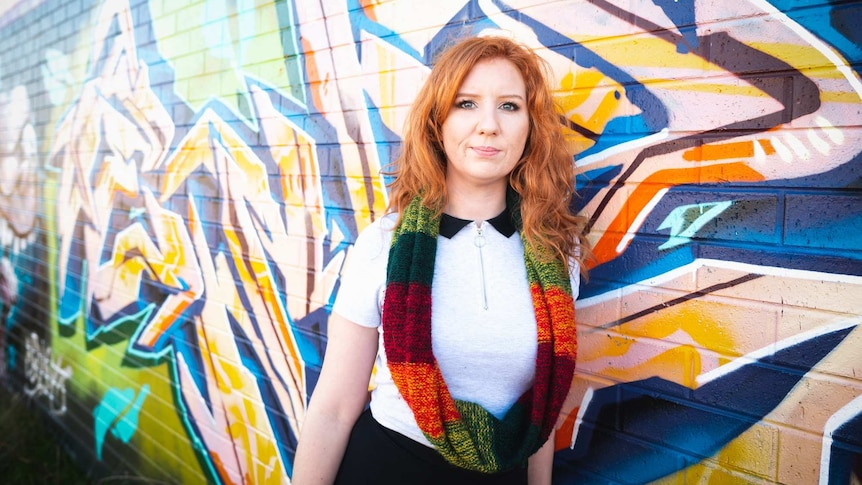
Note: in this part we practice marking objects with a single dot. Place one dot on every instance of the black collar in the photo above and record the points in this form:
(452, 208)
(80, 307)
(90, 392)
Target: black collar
(449, 226)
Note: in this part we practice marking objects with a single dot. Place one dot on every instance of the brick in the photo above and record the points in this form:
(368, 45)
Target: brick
(799, 457)
(827, 221)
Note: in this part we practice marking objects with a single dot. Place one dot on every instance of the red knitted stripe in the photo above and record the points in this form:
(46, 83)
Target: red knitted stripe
(560, 386)
(563, 367)
(409, 340)
(541, 384)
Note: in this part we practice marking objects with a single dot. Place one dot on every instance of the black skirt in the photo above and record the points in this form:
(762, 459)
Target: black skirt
(377, 455)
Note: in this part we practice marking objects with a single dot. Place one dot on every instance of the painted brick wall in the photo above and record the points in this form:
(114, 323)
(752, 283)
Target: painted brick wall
(181, 183)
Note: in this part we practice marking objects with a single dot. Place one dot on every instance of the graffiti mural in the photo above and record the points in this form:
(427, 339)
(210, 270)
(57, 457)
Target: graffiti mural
(181, 184)
(23, 309)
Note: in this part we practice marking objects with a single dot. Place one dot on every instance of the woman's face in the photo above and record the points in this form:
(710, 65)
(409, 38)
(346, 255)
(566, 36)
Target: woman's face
(486, 130)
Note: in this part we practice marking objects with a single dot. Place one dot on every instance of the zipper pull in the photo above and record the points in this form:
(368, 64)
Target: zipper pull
(479, 241)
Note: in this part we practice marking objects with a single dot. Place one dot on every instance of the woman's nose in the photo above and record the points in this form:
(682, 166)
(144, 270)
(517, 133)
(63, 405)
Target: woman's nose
(488, 123)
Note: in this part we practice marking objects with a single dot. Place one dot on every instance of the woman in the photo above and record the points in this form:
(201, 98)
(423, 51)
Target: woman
(462, 292)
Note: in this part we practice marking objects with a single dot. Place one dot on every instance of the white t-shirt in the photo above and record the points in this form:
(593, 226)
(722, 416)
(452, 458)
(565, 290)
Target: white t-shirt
(486, 356)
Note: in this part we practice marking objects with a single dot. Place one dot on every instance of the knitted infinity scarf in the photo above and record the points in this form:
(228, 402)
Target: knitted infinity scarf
(463, 432)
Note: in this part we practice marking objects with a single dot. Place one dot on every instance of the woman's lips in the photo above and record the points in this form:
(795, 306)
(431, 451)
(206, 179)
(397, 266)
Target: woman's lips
(486, 151)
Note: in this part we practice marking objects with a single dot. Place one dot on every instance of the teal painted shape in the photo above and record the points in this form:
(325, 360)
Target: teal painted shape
(135, 212)
(126, 426)
(685, 221)
(113, 403)
(118, 413)
(56, 75)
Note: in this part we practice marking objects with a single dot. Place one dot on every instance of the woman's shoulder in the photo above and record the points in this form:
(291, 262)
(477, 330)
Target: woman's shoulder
(383, 225)
(377, 236)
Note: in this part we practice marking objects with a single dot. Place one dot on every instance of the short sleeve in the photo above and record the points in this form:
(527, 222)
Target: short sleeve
(363, 281)
(575, 277)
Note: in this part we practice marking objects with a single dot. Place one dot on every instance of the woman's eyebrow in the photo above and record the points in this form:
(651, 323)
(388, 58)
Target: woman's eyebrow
(506, 96)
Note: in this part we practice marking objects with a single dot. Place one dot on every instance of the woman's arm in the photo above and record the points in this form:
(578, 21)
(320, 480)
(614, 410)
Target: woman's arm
(337, 401)
(540, 465)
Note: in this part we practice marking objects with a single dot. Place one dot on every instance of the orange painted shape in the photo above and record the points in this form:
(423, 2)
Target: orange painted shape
(313, 75)
(767, 146)
(563, 436)
(725, 151)
(368, 8)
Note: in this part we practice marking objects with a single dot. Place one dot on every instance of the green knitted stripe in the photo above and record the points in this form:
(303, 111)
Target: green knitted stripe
(547, 272)
(416, 268)
(492, 443)
(469, 443)
(417, 218)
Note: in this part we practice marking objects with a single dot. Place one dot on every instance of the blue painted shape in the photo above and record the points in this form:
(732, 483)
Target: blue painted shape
(468, 21)
(384, 140)
(642, 259)
(623, 129)
(588, 184)
(836, 24)
(286, 437)
(642, 431)
(639, 262)
(830, 221)
(681, 13)
(11, 357)
(359, 21)
(71, 300)
(845, 461)
(118, 413)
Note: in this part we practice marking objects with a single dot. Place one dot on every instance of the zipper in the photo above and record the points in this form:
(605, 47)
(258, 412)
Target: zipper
(480, 243)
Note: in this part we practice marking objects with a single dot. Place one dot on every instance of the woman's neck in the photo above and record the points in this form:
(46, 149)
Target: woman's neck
(475, 204)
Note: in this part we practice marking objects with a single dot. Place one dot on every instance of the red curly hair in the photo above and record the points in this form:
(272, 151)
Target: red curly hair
(544, 177)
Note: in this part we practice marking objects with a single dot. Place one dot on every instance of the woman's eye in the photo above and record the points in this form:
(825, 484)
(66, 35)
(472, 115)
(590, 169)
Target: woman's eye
(465, 104)
(510, 107)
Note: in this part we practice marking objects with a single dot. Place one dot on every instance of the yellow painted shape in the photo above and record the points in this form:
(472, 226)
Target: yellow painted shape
(754, 451)
(173, 258)
(203, 75)
(611, 346)
(254, 274)
(592, 92)
(693, 317)
(849, 97)
(679, 364)
(386, 78)
(247, 422)
(193, 152)
(130, 269)
(800, 56)
(644, 52)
